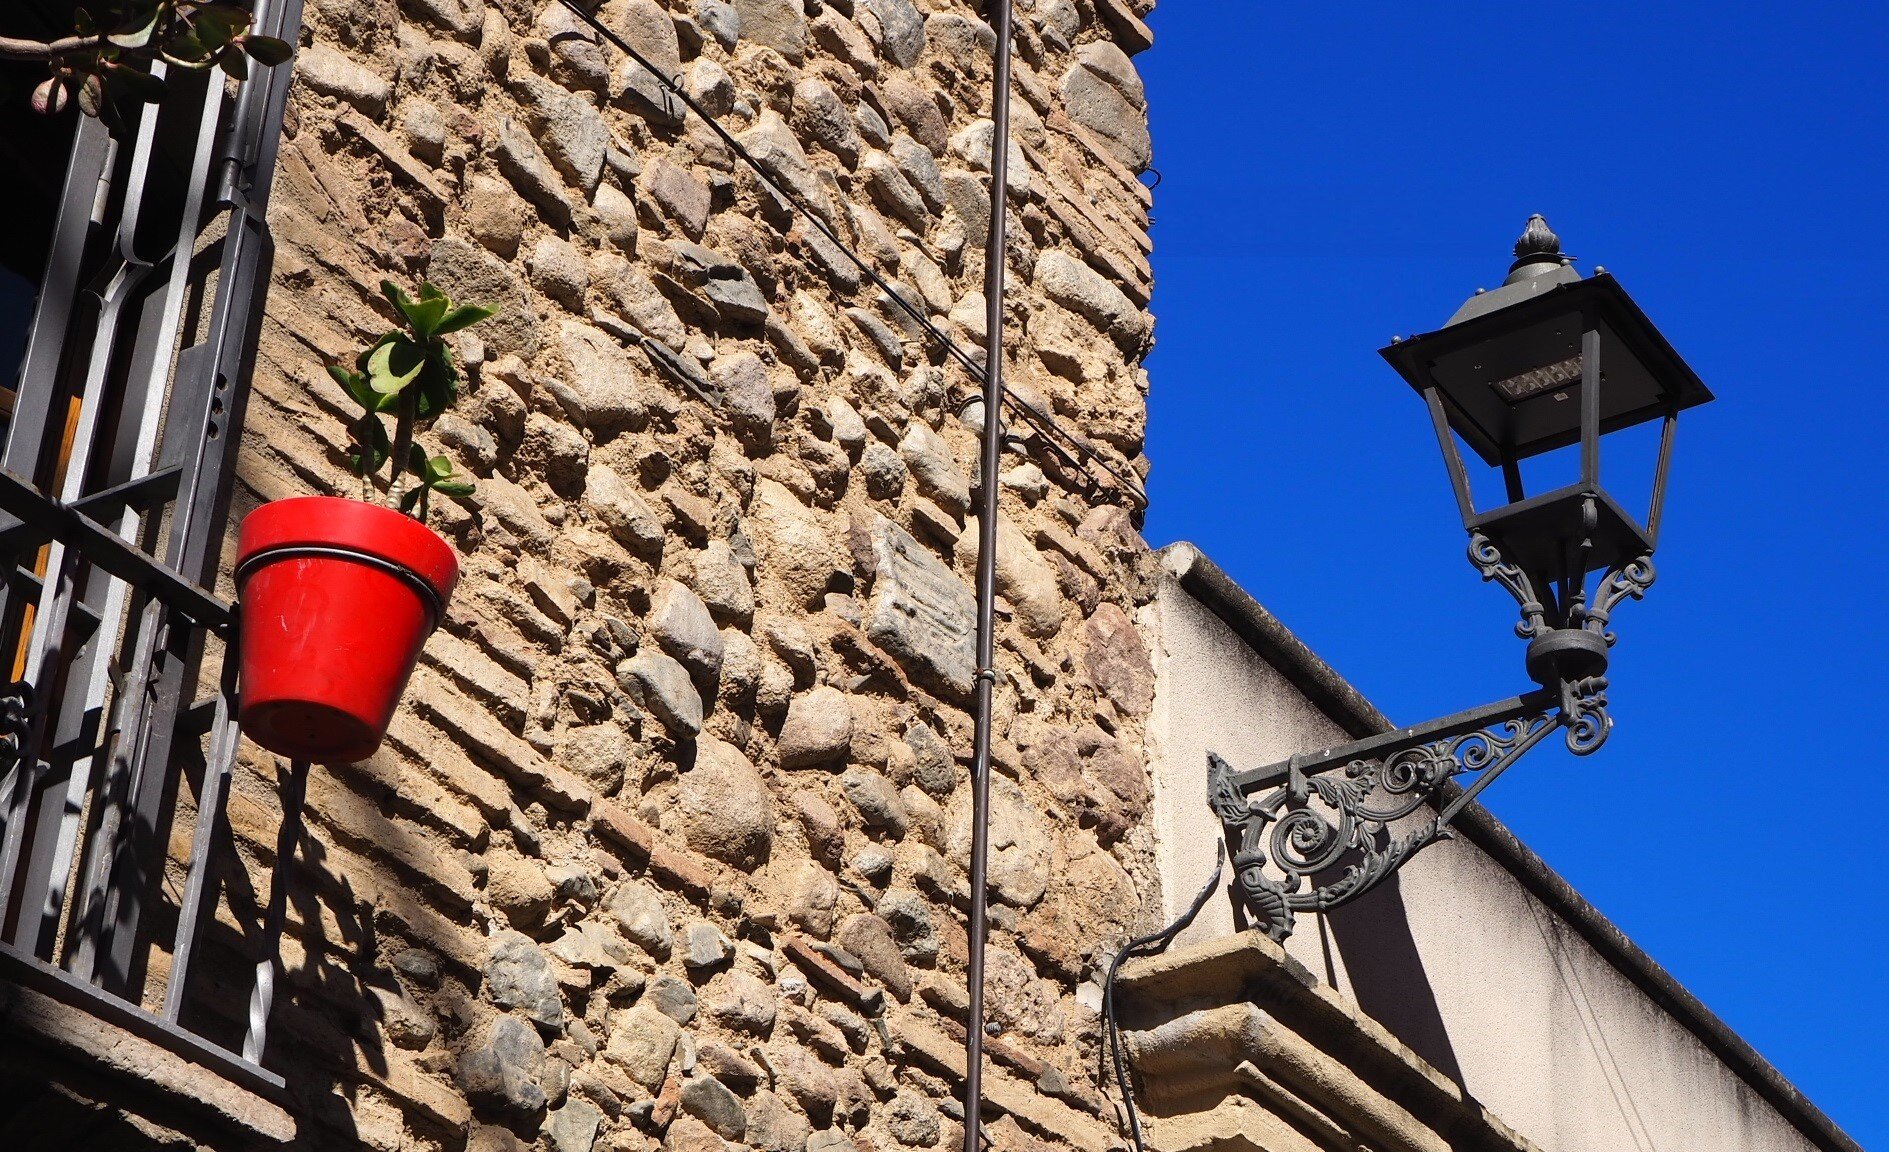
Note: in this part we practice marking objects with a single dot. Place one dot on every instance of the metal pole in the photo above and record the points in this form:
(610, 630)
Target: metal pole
(987, 568)
(262, 997)
(212, 796)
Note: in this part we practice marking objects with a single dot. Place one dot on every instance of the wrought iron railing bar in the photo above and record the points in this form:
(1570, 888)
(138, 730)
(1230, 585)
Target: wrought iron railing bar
(89, 171)
(139, 494)
(211, 796)
(24, 580)
(27, 505)
(86, 539)
(208, 397)
(49, 647)
(199, 718)
(31, 432)
(146, 384)
(28, 971)
(56, 595)
(106, 847)
(293, 790)
(137, 568)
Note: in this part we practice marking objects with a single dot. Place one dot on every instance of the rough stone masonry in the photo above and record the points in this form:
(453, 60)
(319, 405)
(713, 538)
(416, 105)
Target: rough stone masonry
(668, 845)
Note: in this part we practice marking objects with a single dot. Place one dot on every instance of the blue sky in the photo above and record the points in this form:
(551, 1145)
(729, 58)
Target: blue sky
(1334, 174)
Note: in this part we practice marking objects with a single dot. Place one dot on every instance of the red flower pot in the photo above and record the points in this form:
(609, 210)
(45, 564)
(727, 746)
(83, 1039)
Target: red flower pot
(337, 597)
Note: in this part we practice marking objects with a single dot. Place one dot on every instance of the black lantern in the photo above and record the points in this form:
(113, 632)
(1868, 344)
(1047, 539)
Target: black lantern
(1549, 360)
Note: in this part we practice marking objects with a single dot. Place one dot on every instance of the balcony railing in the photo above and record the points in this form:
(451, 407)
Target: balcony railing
(117, 701)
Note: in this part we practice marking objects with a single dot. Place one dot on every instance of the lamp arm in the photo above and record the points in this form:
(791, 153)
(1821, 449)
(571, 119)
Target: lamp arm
(1320, 831)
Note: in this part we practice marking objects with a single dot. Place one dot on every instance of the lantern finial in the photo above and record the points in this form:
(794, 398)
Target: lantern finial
(1537, 251)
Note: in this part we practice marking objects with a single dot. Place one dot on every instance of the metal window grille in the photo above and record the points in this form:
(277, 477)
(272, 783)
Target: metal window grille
(119, 724)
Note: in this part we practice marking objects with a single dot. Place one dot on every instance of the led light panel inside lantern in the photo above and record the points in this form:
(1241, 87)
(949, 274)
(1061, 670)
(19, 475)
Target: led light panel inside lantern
(1511, 377)
(1521, 391)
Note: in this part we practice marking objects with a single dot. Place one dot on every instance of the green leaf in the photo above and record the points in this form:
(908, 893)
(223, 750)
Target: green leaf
(412, 496)
(370, 445)
(217, 26)
(355, 385)
(428, 291)
(136, 81)
(438, 468)
(396, 295)
(50, 97)
(361, 358)
(416, 461)
(137, 31)
(462, 317)
(457, 489)
(92, 95)
(186, 51)
(234, 62)
(425, 315)
(395, 364)
(439, 384)
(267, 50)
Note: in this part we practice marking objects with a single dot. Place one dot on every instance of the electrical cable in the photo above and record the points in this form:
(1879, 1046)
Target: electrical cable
(1031, 414)
(991, 457)
(1148, 945)
(1060, 440)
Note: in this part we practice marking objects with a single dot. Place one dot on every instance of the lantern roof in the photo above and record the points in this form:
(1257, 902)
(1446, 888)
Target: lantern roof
(1508, 363)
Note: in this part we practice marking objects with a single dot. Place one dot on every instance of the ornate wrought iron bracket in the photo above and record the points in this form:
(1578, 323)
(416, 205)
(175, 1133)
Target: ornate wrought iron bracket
(1566, 606)
(1320, 830)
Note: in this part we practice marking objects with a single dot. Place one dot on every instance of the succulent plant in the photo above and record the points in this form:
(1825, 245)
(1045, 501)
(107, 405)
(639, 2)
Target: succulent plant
(109, 55)
(410, 376)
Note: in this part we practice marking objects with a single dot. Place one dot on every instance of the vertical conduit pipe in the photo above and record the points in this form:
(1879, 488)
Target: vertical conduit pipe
(987, 567)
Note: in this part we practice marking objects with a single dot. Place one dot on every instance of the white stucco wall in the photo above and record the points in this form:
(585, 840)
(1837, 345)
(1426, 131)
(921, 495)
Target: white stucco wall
(1458, 958)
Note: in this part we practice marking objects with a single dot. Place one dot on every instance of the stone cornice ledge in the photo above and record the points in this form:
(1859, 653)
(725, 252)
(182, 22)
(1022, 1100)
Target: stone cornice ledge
(95, 1059)
(1216, 1028)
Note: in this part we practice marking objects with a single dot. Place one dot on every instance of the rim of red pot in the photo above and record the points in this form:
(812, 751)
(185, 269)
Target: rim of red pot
(311, 524)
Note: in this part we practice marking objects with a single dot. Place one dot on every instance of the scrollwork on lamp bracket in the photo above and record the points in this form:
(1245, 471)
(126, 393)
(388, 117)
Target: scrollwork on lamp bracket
(1323, 829)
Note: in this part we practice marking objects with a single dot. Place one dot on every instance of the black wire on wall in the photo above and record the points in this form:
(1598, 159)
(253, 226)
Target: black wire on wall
(1071, 449)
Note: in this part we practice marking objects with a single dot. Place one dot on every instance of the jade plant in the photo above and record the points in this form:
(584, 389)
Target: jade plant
(113, 44)
(407, 376)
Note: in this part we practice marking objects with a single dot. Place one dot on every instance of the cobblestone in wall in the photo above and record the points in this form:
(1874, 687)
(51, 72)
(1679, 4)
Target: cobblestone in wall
(668, 845)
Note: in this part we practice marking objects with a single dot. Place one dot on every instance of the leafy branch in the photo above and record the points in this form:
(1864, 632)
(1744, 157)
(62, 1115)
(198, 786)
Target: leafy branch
(410, 375)
(111, 56)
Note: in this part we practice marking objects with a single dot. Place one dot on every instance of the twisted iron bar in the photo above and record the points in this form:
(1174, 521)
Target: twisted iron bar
(16, 720)
(294, 789)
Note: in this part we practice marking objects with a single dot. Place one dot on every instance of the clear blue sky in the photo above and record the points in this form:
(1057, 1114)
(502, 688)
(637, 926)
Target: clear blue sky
(1333, 174)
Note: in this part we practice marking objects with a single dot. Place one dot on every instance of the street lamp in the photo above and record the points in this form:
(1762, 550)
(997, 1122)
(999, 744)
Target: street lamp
(1549, 360)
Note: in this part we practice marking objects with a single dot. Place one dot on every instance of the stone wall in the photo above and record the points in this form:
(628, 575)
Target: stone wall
(668, 845)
